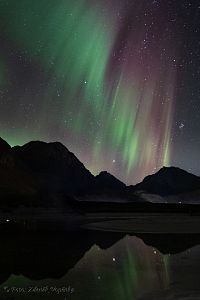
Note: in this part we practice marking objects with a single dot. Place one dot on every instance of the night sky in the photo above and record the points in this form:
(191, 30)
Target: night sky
(116, 81)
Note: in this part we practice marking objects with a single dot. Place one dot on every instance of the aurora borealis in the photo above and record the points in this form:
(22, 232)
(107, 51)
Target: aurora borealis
(114, 81)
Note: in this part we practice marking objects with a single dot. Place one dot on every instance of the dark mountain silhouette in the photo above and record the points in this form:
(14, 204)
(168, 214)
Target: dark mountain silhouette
(4, 147)
(46, 174)
(168, 181)
(107, 181)
(40, 169)
(57, 169)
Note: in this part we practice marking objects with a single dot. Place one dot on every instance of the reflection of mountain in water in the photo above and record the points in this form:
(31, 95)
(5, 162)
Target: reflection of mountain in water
(171, 243)
(39, 256)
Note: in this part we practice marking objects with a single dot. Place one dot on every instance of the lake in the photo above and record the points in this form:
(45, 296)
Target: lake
(99, 265)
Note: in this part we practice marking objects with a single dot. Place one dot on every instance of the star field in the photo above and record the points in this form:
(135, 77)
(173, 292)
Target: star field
(117, 82)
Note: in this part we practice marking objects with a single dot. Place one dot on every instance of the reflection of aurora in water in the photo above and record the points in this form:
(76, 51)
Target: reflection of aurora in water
(138, 272)
(128, 270)
(110, 82)
(125, 271)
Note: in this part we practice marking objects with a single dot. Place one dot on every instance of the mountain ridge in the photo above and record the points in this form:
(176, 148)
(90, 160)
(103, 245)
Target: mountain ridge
(169, 181)
(51, 170)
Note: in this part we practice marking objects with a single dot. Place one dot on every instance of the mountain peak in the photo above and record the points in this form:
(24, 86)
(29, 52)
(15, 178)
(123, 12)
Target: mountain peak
(168, 170)
(49, 157)
(52, 168)
(107, 180)
(169, 181)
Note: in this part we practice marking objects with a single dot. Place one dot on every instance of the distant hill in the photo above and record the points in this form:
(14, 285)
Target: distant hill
(168, 181)
(107, 181)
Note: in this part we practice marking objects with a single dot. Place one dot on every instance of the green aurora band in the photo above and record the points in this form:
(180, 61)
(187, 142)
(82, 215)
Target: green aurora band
(111, 105)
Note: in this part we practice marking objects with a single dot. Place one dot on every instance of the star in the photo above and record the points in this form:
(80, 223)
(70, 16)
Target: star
(181, 126)
(155, 2)
(133, 85)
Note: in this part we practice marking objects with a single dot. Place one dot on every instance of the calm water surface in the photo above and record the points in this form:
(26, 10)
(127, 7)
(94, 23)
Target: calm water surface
(96, 265)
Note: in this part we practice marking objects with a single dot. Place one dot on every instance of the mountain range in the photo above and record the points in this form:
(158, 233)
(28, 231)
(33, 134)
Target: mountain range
(46, 174)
